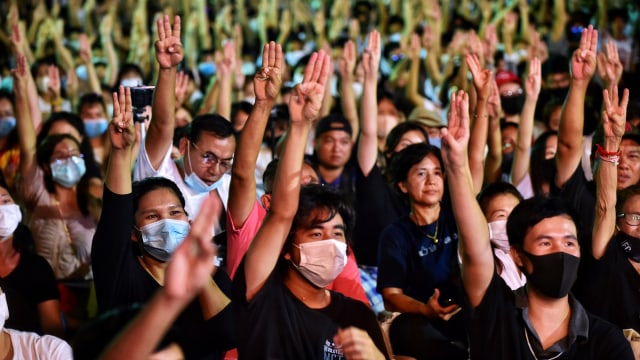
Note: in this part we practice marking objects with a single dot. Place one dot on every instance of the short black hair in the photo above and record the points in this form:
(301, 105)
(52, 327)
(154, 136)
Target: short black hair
(532, 211)
(211, 123)
(495, 189)
(624, 195)
(319, 204)
(89, 99)
(146, 185)
(541, 169)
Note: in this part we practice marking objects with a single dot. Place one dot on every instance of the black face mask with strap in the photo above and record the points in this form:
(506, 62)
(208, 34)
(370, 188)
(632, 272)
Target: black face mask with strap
(553, 274)
(629, 245)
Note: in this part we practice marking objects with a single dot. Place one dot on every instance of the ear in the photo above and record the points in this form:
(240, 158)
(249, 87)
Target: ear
(134, 235)
(265, 200)
(403, 187)
(516, 256)
(184, 142)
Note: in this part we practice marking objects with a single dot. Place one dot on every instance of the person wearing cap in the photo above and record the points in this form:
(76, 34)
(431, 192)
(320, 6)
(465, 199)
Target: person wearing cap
(430, 120)
(332, 152)
(511, 95)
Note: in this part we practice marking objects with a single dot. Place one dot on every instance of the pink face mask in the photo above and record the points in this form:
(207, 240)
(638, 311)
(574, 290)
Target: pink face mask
(321, 261)
(498, 234)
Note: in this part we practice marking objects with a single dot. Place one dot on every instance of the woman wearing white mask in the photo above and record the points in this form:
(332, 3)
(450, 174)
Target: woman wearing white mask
(141, 226)
(25, 277)
(48, 184)
(300, 248)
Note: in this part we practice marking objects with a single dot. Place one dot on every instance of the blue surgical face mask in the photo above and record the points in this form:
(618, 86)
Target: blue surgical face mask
(161, 238)
(68, 172)
(435, 141)
(7, 84)
(6, 125)
(207, 68)
(81, 71)
(96, 127)
(195, 183)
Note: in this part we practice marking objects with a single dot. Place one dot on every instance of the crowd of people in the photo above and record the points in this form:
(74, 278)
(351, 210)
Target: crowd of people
(408, 179)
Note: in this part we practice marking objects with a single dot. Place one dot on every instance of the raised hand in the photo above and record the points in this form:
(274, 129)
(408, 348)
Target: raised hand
(414, 47)
(54, 82)
(17, 43)
(534, 79)
(192, 264)
(268, 80)
(481, 77)
(20, 76)
(583, 61)
(85, 48)
(182, 82)
(614, 116)
(494, 104)
(455, 138)
(169, 50)
(371, 56)
(227, 64)
(121, 130)
(306, 99)
(348, 60)
(609, 65)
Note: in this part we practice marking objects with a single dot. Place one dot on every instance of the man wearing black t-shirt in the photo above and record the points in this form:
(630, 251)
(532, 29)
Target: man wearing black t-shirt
(541, 320)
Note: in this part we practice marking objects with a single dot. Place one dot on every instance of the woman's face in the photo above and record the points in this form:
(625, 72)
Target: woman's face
(409, 138)
(5, 197)
(64, 150)
(159, 204)
(425, 182)
(6, 108)
(63, 127)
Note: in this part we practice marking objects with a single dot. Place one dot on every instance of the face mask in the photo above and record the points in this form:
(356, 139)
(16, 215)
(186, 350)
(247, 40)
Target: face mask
(10, 217)
(248, 68)
(512, 105)
(96, 127)
(629, 245)
(498, 234)
(195, 96)
(43, 84)
(322, 261)
(74, 45)
(195, 183)
(4, 309)
(207, 69)
(553, 274)
(161, 238)
(132, 82)
(68, 172)
(7, 84)
(6, 125)
(292, 57)
(358, 88)
(435, 141)
(81, 71)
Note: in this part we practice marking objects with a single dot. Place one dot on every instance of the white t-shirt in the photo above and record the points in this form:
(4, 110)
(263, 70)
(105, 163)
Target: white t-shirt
(28, 345)
(169, 170)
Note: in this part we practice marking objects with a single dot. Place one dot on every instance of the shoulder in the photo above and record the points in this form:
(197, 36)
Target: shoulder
(608, 338)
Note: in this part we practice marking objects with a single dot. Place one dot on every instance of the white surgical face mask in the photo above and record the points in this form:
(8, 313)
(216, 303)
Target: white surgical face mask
(161, 238)
(498, 234)
(10, 217)
(43, 84)
(358, 88)
(322, 261)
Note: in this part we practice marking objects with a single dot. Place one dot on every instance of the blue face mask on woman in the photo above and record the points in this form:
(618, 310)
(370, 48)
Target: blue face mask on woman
(96, 127)
(161, 238)
(7, 124)
(68, 172)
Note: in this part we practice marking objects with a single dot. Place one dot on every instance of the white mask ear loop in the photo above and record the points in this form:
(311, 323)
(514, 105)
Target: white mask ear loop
(189, 157)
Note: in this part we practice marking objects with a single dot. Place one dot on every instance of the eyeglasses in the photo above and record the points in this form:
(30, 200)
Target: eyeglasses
(209, 158)
(632, 219)
(59, 158)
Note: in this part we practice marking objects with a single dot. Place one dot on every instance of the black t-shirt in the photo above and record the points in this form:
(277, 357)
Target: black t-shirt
(614, 293)
(377, 205)
(120, 280)
(29, 284)
(277, 325)
(497, 331)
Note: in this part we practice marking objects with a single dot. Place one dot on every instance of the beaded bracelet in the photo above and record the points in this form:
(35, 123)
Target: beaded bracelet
(608, 156)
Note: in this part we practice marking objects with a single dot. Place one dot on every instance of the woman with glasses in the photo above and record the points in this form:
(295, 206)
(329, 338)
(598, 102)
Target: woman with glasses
(48, 184)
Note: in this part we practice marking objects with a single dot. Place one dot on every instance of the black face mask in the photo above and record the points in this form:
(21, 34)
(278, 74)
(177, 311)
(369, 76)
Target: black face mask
(629, 245)
(512, 105)
(553, 274)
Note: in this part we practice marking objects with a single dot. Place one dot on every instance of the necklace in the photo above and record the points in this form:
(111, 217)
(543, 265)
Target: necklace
(526, 335)
(434, 237)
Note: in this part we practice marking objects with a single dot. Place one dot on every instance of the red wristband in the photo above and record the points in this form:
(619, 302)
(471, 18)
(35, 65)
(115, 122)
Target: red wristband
(603, 152)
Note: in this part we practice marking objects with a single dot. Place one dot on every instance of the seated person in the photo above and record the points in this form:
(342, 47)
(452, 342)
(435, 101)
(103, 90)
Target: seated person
(540, 320)
(296, 253)
(140, 227)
